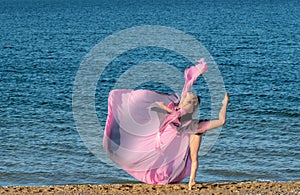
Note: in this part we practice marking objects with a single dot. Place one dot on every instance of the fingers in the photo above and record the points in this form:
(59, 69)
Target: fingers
(226, 99)
(227, 95)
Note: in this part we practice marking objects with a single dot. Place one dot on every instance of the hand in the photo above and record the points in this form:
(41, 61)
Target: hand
(226, 99)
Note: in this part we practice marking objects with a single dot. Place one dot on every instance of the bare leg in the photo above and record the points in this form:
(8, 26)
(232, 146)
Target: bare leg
(195, 141)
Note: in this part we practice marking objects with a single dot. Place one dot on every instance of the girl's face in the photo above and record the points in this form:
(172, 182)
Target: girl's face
(192, 98)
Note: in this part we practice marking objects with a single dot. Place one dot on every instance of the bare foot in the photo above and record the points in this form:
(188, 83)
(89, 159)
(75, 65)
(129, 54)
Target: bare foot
(191, 184)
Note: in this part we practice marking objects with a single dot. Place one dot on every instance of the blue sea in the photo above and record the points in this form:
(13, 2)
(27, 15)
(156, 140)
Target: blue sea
(255, 44)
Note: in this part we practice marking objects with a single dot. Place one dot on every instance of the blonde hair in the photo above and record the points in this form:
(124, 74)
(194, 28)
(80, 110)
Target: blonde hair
(195, 105)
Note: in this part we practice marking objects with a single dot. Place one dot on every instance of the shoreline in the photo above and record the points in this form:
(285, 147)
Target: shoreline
(246, 187)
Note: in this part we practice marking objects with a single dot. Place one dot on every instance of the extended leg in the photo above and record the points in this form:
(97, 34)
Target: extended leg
(195, 141)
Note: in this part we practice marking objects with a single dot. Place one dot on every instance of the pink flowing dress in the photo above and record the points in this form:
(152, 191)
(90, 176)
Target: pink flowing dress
(147, 142)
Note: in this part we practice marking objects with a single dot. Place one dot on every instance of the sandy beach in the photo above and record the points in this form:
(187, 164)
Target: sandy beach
(249, 187)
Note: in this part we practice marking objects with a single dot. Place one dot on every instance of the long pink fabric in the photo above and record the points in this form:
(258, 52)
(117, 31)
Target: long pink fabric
(146, 141)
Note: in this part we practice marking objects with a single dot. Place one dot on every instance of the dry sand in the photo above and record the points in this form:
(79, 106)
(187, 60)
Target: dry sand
(251, 187)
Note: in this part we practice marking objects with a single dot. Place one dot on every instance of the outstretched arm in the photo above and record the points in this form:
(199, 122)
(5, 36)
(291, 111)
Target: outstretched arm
(163, 106)
(222, 115)
(203, 126)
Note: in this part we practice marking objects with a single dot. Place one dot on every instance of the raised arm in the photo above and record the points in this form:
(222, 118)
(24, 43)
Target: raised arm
(206, 125)
(222, 115)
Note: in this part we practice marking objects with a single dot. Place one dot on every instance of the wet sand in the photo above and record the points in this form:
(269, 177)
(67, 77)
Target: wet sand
(249, 187)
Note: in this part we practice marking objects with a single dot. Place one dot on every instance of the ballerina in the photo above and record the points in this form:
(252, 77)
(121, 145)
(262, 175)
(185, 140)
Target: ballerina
(195, 139)
(153, 136)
